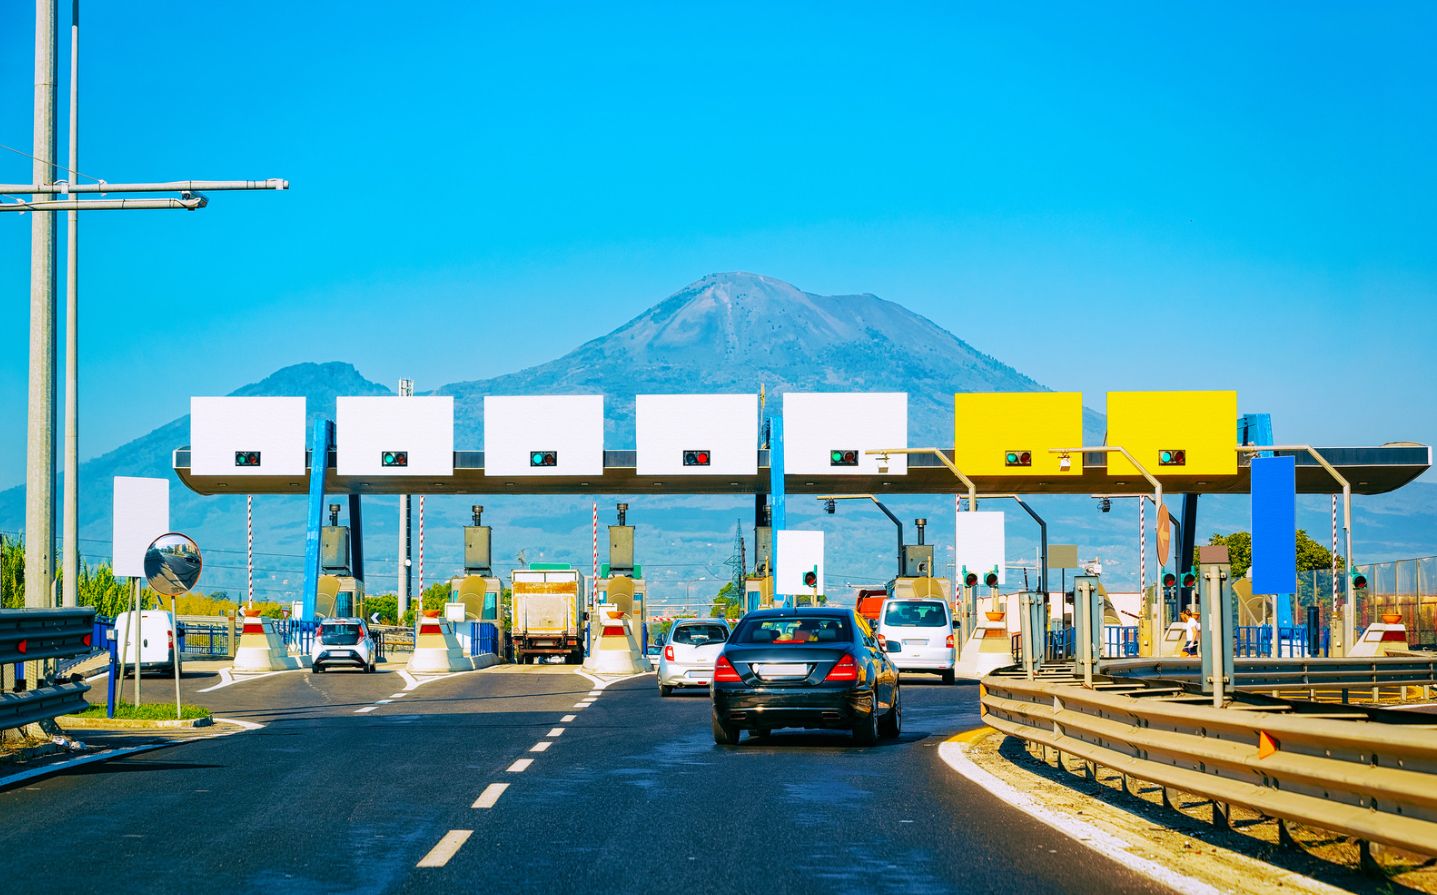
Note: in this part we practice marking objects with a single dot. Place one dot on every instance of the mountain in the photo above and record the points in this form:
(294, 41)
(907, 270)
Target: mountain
(725, 332)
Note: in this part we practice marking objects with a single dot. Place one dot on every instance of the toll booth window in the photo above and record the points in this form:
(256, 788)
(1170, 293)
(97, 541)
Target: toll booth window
(915, 614)
(795, 631)
(491, 606)
(339, 635)
(698, 635)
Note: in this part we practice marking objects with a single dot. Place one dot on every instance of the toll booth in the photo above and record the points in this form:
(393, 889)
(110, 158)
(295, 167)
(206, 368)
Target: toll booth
(479, 590)
(340, 593)
(758, 592)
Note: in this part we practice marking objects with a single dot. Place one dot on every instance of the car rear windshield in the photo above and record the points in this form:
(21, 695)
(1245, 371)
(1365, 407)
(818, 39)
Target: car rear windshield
(794, 631)
(339, 635)
(915, 614)
(698, 635)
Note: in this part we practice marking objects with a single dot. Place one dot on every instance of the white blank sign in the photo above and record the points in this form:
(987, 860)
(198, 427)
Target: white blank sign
(141, 514)
(814, 425)
(978, 544)
(798, 552)
(721, 428)
(572, 426)
(271, 428)
(367, 428)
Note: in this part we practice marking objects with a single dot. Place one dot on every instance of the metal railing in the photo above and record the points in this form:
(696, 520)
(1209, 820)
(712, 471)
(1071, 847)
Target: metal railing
(1376, 782)
(1255, 641)
(204, 639)
(1309, 677)
(298, 633)
(32, 635)
(483, 638)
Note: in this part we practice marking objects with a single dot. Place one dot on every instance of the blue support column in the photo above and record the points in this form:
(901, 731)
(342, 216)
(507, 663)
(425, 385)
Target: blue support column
(319, 444)
(356, 538)
(775, 486)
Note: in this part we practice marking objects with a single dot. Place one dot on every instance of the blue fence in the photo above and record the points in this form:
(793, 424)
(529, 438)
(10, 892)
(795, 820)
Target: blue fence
(204, 639)
(1255, 641)
(298, 633)
(1120, 642)
(483, 638)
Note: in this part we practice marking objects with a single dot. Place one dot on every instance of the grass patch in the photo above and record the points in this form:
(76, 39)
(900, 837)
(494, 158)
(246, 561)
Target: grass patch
(149, 711)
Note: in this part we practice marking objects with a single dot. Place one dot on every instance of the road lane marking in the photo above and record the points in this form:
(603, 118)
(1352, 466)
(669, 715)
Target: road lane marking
(490, 795)
(556, 732)
(520, 765)
(246, 725)
(567, 718)
(440, 854)
(397, 695)
(383, 701)
(954, 754)
(582, 705)
(368, 708)
(596, 692)
(600, 683)
(542, 746)
(589, 701)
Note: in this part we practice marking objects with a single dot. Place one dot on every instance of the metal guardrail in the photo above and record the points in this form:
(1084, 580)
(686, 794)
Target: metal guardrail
(27, 635)
(1372, 781)
(1292, 674)
(41, 703)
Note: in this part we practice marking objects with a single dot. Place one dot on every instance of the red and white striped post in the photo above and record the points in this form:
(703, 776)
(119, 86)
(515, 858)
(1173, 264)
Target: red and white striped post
(249, 546)
(596, 542)
(421, 551)
(1142, 545)
(1334, 552)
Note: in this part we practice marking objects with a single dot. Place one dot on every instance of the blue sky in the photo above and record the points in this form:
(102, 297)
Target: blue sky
(1106, 197)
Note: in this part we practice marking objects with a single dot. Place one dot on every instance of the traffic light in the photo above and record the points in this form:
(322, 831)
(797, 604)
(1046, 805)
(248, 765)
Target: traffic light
(1359, 581)
(1018, 458)
(843, 458)
(697, 458)
(1172, 458)
(246, 458)
(991, 579)
(394, 458)
(810, 578)
(1169, 579)
(543, 458)
(970, 579)
(1189, 578)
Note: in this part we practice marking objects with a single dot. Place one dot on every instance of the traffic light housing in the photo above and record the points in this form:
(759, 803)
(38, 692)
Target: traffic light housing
(1189, 578)
(841, 457)
(1359, 581)
(246, 458)
(543, 458)
(1172, 457)
(810, 578)
(1169, 579)
(697, 458)
(1018, 458)
(970, 579)
(991, 579)
(390, 459)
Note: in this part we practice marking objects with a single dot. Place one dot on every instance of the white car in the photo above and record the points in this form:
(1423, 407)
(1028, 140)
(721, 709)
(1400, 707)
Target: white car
(157, 641)
(342, 643)
(690, 652)
(918, 635)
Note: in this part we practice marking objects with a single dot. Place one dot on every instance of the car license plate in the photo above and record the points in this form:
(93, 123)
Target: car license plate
(780, 671)
(915, 643)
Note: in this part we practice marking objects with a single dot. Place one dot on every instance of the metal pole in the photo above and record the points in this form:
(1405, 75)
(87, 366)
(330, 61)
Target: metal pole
(421, 551)
(175, 659)
(406, 388)
(40, 428)
(1349, 608)
(135, 631)
(70, 562)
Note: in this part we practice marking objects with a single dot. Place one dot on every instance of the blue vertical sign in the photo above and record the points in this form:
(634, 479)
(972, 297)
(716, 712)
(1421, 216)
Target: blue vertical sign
(1274, 530)
(778, 516)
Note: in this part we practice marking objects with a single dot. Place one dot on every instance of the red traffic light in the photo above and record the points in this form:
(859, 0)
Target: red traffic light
(1172, 457)
(394, 458)
(991, 579)
(1018, 458)
(1169, 579)
(1359, 581)
(842, 458)
(970, 579)
(810, 578)
(246, 458)
(1189, 579)
(697, 458)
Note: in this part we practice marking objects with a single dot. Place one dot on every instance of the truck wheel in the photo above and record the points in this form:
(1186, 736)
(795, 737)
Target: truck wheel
(725, 734)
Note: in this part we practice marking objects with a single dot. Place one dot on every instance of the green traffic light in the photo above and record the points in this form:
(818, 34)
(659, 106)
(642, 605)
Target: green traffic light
(1165, 457)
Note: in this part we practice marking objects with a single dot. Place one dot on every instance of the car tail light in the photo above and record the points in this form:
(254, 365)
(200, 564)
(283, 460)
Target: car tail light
(669, 652)
(845, 670)
(949, 642)
(724, 672)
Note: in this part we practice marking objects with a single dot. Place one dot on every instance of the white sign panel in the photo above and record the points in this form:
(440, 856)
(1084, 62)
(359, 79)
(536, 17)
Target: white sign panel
(247, 436)
(141, 514)
(827, 434)
(978, 545)
(799, 553)
(394, 436)
(696, 434)
(545, 435)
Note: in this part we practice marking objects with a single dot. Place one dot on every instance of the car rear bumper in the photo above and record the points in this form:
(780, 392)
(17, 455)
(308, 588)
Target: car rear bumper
(811, 707)
(675, 675)
(328, 658)
(927, 660)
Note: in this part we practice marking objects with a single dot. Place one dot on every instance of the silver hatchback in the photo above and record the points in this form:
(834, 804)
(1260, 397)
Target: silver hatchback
(690, 652)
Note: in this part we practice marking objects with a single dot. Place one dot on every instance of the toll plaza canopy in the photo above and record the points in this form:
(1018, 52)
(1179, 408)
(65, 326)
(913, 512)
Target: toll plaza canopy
(1370, 470)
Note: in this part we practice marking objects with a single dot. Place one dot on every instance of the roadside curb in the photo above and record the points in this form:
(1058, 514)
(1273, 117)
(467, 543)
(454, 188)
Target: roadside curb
(70, 722)
(48, 770)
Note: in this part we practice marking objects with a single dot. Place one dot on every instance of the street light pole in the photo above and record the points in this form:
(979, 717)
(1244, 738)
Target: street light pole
(883, 453)
(70, 550)
(1042, 535)
(40, 427)
(878, 503)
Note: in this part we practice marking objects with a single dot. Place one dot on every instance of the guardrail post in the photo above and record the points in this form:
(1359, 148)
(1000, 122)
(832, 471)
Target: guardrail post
(1088, 625)
(1217, 665)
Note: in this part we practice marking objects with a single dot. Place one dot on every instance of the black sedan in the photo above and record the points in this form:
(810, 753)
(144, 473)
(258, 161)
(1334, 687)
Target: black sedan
(817, 668)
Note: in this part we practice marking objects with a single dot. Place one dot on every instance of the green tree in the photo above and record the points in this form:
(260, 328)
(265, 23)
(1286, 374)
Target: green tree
(726, 603)
(1310, 554)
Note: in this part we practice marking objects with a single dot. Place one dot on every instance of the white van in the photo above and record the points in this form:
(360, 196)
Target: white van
(157, 640)
(918, 635)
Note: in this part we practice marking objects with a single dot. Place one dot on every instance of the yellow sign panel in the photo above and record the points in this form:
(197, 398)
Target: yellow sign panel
(1173, 433)
(1009, 433)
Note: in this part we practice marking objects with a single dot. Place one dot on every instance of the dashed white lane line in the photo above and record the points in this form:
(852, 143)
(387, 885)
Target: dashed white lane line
(567, 718)
(582, 705)
(383, 701)
(397, 695)
(440, 854)
(368, 708)
(520, 765)
(596, 692)
(542, 746)
(490, 795)
(555, 732)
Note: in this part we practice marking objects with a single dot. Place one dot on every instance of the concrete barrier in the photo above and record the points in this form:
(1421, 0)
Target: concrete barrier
(615, 650)
(1384, 638)
(261, 649)
(988, 649)
(437, 649)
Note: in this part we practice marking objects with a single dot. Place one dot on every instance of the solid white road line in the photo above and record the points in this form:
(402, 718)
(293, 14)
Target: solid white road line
(567, 718)
(542, 746)
(368, 708)
(520, 765)
(600, 683)
(247, 725)
(1099, 840)
(556, 732)
(440, 854)
(490, 795)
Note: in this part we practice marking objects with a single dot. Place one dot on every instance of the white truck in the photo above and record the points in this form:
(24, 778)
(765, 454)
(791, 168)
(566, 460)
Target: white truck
(157, 640)
(546, 615)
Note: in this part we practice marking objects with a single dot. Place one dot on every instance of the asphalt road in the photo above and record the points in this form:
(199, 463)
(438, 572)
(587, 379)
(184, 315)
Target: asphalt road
(338, 792)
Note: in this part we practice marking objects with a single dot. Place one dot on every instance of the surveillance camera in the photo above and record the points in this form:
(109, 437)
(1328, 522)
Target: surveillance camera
(830, 507)
(1065, 463)
(883, 464)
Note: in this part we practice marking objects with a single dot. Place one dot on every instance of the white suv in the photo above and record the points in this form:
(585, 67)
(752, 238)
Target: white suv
(690, 653)
(918, 635)
(342, 642)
